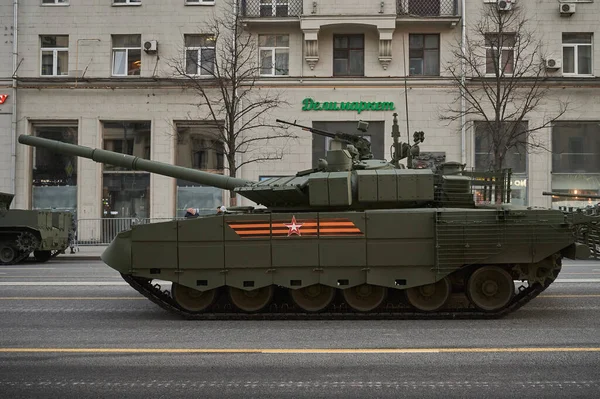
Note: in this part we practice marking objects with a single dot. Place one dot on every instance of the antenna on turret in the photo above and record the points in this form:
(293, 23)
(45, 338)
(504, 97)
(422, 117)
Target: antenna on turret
(396, 137)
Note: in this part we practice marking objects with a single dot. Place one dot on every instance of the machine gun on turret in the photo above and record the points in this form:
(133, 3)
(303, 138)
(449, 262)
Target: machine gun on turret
(362, 145)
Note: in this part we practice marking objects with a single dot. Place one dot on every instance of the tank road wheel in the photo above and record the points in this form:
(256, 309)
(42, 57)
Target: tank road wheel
(7, 254)
(490, 288)
(251, 301)
(42, 256)
(191, 299)
(430, 297)
(26, 242)
(313, 298)
(365, 297)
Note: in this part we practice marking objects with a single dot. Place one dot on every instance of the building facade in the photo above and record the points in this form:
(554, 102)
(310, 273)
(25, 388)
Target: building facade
(7, 98)
(98, 73)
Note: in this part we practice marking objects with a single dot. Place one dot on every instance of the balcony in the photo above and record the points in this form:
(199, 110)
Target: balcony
(270, 9)
(427, 9)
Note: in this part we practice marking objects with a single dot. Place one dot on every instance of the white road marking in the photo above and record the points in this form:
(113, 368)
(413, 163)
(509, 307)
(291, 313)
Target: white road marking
(27, 268)
(305, 350)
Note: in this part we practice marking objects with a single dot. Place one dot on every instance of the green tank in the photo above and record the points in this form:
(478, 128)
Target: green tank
(22, 232)
(355, 237)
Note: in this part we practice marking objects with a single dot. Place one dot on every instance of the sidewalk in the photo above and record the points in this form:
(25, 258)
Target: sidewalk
(84, 252)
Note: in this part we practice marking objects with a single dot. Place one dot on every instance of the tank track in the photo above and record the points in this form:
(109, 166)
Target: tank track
(283, 308)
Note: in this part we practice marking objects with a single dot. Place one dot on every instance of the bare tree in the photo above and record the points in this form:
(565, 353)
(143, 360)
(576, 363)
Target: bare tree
(505, 82)
(224, 72)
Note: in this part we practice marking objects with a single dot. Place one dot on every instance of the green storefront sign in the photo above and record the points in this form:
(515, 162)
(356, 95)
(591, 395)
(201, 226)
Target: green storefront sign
(308, 104)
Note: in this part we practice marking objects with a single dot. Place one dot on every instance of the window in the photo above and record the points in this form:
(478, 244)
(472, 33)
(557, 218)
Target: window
(348, 55)
(576, 147)
(577, 53)
(126, 193)
(199, 54)
(274, 54)
(198, 146)
(576, 161)
(54, 175)
(499, 53)
(57, 2)
(515, 159)
(273, 8)
(200, 2)
(424, 55)
(425, 7)
(128, 2)
(127, 55)
(55, 55)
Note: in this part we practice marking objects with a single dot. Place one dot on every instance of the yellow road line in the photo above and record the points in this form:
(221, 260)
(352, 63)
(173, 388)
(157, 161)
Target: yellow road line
(50, 298)
(299, 351)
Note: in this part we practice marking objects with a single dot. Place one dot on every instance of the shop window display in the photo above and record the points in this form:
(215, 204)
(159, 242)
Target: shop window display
(198, 147)
(54, 175)
(515, 159)
(126, 193)
(575, 162)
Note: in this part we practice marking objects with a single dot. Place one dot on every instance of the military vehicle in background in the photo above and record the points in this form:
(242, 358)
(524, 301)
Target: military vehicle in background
(587, 233)
(355, 237)
(22, 232)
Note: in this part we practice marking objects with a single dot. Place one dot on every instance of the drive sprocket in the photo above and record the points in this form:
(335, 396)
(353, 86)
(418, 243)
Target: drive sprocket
(26, 242)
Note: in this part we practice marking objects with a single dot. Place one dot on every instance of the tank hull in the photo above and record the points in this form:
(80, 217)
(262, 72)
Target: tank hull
(397, 251)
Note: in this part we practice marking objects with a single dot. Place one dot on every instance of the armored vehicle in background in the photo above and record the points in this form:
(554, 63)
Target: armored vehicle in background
(22, 232)
(587, 233)
(355, 237)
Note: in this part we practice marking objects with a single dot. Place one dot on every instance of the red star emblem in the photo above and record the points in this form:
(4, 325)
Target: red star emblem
(294, 227)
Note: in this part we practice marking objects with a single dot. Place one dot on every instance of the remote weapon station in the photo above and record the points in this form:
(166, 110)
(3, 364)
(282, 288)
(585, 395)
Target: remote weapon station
(355, 237)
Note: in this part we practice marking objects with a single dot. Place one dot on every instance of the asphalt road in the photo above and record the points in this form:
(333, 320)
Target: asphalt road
(74, 329)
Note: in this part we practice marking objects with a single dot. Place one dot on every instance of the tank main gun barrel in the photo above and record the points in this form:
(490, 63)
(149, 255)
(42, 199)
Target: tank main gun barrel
(136, 163)
(568, 195)
(362, 145)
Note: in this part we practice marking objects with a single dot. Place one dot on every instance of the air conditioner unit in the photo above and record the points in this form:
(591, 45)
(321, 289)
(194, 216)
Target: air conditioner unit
(566, 9)
(151, 46)
(553, 63)
(504, 5)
